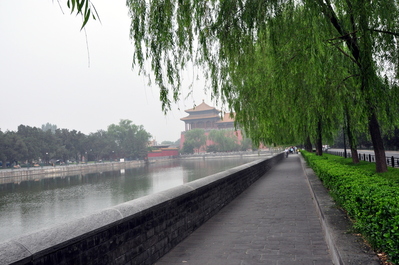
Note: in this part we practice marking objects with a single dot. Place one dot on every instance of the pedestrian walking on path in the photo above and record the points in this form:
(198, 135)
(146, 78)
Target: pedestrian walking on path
(272, 222)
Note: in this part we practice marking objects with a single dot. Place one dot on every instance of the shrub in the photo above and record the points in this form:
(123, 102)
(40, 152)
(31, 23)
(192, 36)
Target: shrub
(370, 199)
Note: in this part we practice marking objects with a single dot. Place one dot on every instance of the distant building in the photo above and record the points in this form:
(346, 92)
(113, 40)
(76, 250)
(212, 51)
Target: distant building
(162, 152)
(208, 118)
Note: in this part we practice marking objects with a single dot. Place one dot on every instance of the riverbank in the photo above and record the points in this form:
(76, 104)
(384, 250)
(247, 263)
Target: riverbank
(23, 174)
(31, 173)
(43, 201)
(137, 231)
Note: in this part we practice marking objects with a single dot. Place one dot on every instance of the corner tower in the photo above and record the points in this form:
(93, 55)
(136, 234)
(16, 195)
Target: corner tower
(202, 116)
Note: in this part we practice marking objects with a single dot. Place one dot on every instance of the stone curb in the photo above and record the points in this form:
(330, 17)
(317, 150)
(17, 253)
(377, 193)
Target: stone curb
(345, 247)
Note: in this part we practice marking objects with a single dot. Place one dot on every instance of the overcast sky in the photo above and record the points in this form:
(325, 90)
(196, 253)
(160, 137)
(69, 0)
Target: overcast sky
(46, 76)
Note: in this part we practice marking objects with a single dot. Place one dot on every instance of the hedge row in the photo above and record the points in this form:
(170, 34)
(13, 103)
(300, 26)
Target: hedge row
(370, 199)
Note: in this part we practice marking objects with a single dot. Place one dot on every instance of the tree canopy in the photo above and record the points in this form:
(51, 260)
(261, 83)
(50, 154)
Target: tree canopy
(225, 140)
(287, 68)
(194, 140)
(32, 144)
(291, 70)
(130, 139)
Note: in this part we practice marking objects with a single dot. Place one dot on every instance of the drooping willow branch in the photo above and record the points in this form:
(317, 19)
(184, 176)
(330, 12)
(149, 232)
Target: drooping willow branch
(386, 32)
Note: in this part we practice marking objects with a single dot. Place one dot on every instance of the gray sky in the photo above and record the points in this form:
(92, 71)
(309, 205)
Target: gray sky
(46, 76)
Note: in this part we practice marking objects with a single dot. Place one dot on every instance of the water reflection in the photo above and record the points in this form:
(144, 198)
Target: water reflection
(35, 204)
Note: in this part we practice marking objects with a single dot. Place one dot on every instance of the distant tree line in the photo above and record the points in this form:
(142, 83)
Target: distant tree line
(390, 140)
(223, 141)
(34, 145)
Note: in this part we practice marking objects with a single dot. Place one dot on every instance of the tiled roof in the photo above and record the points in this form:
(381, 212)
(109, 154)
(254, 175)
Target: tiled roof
(201, 107)
(199, 117)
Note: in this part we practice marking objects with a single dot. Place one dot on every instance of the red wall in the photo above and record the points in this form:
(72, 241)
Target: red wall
(173, 152)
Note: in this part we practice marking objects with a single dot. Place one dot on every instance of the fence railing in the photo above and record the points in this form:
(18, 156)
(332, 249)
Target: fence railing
(392, 161)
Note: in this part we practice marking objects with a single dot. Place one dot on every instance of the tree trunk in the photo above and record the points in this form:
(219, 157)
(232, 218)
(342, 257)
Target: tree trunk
(378, 145)
(319, 142)
(351, 139)
(363, 56)
(355, 155)
(308, 144)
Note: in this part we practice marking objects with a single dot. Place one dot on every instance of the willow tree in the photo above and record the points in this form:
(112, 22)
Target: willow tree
(303, 85)
(214, 34)
(366, 32)
(171, 35)
(289, 86)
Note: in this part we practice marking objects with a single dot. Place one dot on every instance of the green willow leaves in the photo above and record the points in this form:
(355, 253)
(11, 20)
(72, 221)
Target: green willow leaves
(84, 8)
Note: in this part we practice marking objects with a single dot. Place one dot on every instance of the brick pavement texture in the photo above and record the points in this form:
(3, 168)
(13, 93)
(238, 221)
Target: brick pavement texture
(272, 222)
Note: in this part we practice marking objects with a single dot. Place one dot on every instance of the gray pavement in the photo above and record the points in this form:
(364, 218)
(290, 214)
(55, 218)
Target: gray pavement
(286, 217)
(273, 222)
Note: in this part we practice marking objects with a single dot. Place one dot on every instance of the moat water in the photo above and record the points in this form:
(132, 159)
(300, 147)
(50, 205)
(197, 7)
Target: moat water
(29, 206)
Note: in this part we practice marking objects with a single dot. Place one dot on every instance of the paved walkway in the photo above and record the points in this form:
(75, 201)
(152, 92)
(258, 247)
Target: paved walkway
(273, 222)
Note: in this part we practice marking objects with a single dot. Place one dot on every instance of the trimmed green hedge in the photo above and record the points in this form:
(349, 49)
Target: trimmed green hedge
(370, 199)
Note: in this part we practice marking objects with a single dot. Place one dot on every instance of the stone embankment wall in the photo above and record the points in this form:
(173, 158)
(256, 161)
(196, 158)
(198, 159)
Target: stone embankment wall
(139, 231)
(259, 153)
(23, 174)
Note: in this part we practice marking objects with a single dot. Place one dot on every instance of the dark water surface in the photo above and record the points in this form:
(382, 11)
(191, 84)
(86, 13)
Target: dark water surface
(32, 205)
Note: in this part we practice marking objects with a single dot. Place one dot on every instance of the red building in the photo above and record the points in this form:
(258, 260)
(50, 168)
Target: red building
(208, 118)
